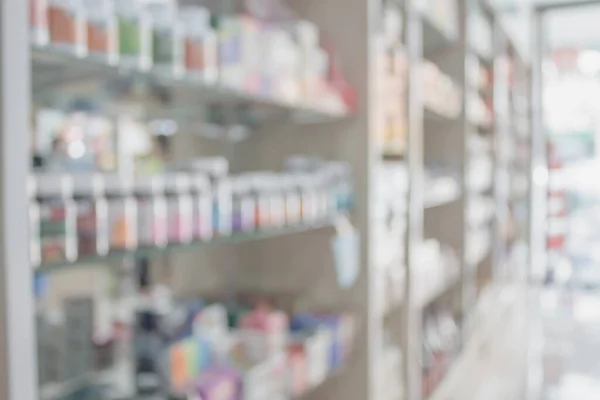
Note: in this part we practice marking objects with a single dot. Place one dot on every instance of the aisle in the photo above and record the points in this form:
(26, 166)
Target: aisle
(571, 344)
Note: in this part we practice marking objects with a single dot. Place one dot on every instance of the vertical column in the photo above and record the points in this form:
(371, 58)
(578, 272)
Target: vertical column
(414, 236)
(539, 167)
(17, 336)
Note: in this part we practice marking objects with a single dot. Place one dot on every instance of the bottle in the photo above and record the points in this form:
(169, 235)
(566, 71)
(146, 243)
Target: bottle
(167, 39)
(67, 26)
(203, 207)
(58, 218)
(102, 30)
(135, 34)
(200, 52)
(152, 212)
(92, 216)
(122, 214)
(179, 208)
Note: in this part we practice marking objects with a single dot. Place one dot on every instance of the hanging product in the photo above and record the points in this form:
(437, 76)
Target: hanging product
(167, 39)
(67, 26)
(58, 218)
(135, 34)
(122, 214)
(200, 52)
(152, 212)
(92, 216)
(102, 29)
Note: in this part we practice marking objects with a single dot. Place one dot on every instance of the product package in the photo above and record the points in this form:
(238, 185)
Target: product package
(200, 52)
(58, 218)
(152, 212)
(180, 208)
(102, 30)
(167, 39)
(92, 216)
(122, 214)
(67, 26)
(203, 207)
(135, 34)
(38, 21)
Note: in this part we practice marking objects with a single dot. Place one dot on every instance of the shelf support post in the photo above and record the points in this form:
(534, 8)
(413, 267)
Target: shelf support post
(18, 376)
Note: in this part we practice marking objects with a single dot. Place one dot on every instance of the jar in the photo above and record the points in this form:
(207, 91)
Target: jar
(151, 212)
(35, 250)
(92, 216)
(38, 21)
(102, 34)
(135, 34)
(58, 219)
(167, 39)
(343, 194)
(66, 21)
(243, 205)
(179, 208)
(200, 52)
(122, 214)
(203, 207)
(293, 203)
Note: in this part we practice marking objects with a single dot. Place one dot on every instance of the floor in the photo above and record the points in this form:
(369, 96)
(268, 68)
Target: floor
(571, 344)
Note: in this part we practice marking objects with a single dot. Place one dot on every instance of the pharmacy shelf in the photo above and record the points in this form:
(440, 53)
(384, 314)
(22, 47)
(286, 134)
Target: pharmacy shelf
(234, 238)
(54, 67)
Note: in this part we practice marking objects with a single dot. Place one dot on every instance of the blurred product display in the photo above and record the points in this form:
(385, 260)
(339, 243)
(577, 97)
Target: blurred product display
(272, 199)
(178, 208)
(189, 347)
(241, 52)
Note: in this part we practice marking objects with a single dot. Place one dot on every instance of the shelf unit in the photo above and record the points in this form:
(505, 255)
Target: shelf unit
(299, 261)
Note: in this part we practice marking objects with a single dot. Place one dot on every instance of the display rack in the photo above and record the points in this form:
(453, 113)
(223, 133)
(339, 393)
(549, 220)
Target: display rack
(431, 148)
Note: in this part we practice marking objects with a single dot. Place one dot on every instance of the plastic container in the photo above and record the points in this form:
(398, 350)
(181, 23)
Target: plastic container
(152, 212)
(309, 196)
(200, 51)
(102, 30)
(122, 214)
(67, 26)
(202, 198)
(58, 219)
(180, 208)
(167, 39)
(135, 34)
(92, 216)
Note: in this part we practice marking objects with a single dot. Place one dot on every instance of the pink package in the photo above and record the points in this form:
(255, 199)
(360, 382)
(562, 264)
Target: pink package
(219, 384)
